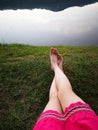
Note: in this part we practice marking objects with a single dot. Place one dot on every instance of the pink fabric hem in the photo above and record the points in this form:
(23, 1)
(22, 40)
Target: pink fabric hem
(66, 109)
(50, 111)
(75, 104)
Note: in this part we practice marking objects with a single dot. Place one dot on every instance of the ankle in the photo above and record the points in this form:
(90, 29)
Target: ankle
(55, 67)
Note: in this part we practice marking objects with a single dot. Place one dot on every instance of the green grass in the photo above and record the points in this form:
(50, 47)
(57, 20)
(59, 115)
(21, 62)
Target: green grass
(25, 78)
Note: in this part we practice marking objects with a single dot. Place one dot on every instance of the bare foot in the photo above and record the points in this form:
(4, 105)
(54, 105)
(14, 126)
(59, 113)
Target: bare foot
(55, 58)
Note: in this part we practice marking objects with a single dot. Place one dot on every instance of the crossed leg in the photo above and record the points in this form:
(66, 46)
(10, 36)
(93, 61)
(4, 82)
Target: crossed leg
(61, 94)
(53, 103)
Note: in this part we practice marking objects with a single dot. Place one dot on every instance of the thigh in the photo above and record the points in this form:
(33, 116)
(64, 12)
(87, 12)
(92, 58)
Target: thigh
(54, 104)
(68, 97)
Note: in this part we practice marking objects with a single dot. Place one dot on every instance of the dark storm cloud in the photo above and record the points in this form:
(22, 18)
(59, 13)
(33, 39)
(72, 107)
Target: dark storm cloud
(55, 5)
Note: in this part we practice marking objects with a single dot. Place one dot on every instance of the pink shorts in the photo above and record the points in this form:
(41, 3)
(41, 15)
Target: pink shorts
(78, 116)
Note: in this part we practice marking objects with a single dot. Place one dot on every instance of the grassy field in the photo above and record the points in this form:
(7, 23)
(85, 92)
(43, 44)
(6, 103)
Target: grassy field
(25, 78)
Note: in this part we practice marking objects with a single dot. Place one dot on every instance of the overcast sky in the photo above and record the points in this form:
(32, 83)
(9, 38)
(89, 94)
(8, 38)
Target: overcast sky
(72, 26)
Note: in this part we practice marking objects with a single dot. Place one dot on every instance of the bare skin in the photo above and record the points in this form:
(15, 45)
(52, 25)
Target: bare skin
(61, 94)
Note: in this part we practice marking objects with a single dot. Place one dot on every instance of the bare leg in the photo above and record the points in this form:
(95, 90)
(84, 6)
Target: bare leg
(65, 92)
(53, 103)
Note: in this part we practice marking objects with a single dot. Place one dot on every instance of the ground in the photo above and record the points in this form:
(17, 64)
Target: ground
(25, 78)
